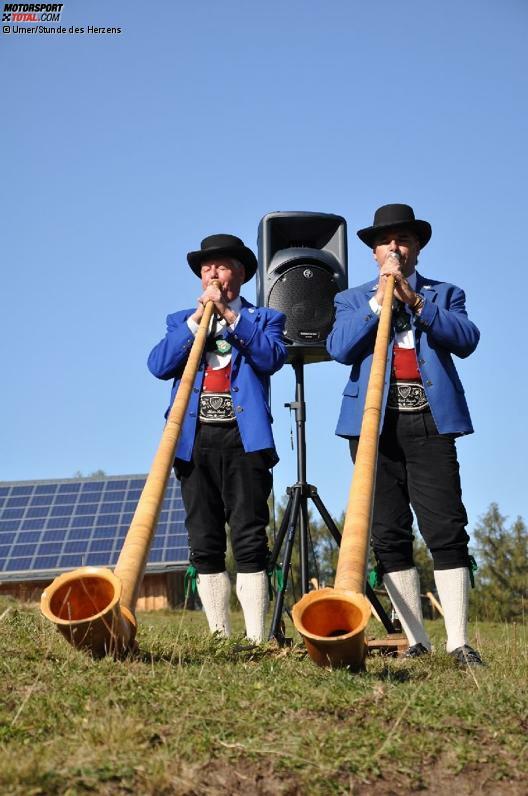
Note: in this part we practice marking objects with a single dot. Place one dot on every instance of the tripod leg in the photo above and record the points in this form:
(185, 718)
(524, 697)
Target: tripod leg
(275, 631)
(282, 532)
(304, 529)
(327, 519)
(380, 610)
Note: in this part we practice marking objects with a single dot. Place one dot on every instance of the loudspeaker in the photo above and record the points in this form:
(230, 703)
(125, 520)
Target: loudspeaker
(302, 265)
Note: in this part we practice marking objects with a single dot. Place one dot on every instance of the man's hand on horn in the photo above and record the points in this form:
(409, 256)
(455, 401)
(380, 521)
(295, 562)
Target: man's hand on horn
(402, 290)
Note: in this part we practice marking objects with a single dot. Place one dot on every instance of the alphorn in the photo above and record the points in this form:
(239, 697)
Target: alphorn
(332, 621)
(93, 607)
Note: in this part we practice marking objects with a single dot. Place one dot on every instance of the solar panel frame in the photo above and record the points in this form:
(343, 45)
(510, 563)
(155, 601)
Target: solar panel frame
(45, 489)
(57, 525)
(22, 489)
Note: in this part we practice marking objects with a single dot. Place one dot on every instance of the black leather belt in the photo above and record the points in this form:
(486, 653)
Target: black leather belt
(216, 407)
(407, 397)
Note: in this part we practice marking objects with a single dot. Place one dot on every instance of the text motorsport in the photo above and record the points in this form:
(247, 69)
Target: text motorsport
(45, 12)
(32, 12)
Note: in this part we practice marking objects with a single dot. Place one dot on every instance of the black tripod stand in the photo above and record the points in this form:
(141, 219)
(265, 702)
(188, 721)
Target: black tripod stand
(296, 516)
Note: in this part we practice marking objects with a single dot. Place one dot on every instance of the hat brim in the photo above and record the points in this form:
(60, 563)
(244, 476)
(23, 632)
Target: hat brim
(422, 230)
(240, 253)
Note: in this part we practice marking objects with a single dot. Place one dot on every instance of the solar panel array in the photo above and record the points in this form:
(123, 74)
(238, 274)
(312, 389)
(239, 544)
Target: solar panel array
(47, 527)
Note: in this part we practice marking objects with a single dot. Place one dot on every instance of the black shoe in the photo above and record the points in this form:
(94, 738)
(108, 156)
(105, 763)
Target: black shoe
(416, 651)
(467, 656)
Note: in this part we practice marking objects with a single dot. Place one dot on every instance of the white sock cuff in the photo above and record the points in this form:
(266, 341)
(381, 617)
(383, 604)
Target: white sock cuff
(403, 588)
(253, 595)
(214, 590)
(453, 590)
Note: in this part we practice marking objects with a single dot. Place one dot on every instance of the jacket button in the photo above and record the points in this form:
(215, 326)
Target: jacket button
(421, 361)
(192, 414)
(429, 383)
(235, 389)
(195, 389)
(239, 409)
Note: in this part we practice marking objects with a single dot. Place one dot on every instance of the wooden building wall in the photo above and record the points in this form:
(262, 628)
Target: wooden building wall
(158, 591)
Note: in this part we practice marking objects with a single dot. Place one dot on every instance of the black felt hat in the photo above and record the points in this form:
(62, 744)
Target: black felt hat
(395, 217)
(223, 246)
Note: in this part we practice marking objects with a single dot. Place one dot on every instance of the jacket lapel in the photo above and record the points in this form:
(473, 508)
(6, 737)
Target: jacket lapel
(424, 288)
(250, 313)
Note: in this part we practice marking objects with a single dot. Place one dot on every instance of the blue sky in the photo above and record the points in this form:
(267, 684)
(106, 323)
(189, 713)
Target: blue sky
(119, 153)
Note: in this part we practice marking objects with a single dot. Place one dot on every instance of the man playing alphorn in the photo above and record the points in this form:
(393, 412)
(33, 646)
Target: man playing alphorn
(226, 447)
(424, 410)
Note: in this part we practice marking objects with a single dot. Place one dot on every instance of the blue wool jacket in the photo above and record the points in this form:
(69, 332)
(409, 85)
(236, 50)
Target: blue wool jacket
(442, 329)
(258, 351)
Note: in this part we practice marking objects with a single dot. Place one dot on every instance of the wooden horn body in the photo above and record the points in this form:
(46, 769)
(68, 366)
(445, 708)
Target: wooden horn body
(93, 607)
(332, 621)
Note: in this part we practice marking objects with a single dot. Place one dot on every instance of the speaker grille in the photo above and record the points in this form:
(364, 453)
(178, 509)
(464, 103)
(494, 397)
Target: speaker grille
(305, 294)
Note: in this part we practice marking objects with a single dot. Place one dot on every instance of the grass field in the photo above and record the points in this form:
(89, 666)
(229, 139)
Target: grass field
(195, 715)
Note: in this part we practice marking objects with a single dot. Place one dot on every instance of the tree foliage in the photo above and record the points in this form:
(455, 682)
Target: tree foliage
(501, 552)
(323, 551)
(502, 577)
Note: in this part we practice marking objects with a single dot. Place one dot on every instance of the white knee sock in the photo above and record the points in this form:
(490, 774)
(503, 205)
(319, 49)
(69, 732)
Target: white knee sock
(214, 591)
(252, 592)
(453, 590)
(403, 588)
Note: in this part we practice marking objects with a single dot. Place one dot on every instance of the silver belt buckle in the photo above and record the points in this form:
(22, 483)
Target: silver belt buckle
(216, 407)
(407, 397)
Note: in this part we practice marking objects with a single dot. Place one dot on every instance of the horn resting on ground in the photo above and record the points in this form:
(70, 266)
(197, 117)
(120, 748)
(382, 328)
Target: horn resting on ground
(93, 607)
(332, 621)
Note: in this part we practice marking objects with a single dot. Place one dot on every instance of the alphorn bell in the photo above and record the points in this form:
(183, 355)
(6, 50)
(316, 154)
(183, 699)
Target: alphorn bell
(332, 621)
(93, 607)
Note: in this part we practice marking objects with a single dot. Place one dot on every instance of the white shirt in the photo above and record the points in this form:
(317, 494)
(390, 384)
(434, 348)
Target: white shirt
(401, 339)
(215, 360)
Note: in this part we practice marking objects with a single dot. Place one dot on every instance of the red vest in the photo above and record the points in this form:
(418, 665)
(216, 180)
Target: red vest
(217, 380)
(404, 365)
